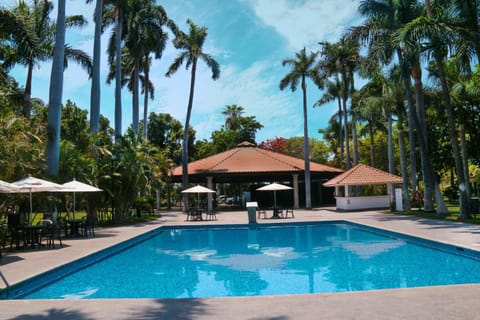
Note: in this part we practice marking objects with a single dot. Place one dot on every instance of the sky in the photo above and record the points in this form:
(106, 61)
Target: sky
(249, 39)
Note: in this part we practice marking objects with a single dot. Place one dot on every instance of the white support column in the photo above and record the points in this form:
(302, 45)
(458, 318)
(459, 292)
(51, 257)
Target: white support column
(296, 204)
(347, 191)
(209, 196)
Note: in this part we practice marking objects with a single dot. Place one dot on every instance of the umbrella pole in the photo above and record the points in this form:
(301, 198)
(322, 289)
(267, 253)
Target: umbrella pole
(74, 206)
(275, 203)
(30, 216)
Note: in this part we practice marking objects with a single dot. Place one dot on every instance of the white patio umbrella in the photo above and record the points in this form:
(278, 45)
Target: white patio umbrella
(6, 187)
(75, 186)
(32, 184)
(198, 189)
(274, 187)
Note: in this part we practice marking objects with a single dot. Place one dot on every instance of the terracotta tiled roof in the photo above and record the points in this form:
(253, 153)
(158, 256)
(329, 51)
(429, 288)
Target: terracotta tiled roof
(248, 159)
(362, 174)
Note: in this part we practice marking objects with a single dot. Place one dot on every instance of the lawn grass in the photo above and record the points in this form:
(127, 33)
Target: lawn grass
(453, 209)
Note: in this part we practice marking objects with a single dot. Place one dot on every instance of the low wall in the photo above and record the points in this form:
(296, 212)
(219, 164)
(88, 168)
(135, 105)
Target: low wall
(362, 203)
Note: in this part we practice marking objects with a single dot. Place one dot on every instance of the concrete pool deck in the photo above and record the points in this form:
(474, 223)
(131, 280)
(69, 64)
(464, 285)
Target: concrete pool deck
(440, 302)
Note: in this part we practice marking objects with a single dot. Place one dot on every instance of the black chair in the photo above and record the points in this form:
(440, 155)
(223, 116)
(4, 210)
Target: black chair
(50, 232)
(474, 207)
(287, 211)
(88, 227)
(211, 215)
(261, 212)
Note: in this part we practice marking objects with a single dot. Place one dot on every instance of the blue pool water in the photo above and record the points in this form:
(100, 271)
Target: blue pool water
(262, 260)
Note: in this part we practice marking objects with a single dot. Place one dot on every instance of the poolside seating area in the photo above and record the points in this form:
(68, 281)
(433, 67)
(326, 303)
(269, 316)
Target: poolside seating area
(196, 214)
(43, 234)
(278, 213)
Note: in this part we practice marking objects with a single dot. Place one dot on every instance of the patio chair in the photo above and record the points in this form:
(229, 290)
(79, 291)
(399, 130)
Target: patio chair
(261, 212)
(287, 211)
(211, 215)
(88, 227)
(50, 233)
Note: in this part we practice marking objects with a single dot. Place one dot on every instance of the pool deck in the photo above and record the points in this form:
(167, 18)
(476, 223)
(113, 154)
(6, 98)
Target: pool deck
(441, 302)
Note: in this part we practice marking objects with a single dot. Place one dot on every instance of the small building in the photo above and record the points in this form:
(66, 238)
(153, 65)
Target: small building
(363, 187)
(249, 164)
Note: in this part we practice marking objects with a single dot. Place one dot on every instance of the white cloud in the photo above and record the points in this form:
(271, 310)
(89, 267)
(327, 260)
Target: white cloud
(308, 22)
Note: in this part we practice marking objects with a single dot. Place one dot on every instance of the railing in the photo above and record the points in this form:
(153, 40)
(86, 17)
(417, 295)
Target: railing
(6, 284)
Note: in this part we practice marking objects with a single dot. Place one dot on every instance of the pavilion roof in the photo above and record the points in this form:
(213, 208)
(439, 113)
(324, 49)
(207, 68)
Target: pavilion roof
(247, 159)
(362, 174)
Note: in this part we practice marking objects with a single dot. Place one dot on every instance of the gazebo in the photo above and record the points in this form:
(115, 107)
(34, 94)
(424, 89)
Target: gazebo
(362, 175)
(248, 163)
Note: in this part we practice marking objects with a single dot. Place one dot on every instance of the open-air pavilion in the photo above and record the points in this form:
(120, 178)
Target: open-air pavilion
(249, 164)
(362, 175)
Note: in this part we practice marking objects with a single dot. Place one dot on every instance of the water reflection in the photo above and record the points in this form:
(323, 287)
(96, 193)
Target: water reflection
(280, 260)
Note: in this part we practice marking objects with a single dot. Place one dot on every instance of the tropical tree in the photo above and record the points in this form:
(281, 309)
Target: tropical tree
(95, 88)
(32, 39)
(339, 60)
(384, 19)
(302, 68)
(191, 46)
(144, 35)
(428, 32)
(55, 95)
(232, 115)
(115, 13)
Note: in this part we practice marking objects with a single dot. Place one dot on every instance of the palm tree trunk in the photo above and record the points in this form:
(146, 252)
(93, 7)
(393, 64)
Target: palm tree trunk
(345, 122)
(355, 142)
(27, 99)
(95, 89)
(135, 98)
(463, 148)
(391, 158)
(421, 126)
(55, 95)
(185, 135)
(403, 164)
(118, 75)
(340, 131)
(145, 98)
(306, 147)
(411, 120)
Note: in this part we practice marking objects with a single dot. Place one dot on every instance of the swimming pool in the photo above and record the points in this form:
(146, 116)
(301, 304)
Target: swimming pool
(202, 261)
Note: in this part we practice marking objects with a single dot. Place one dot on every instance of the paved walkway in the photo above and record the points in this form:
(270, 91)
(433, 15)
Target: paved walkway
(441, 302)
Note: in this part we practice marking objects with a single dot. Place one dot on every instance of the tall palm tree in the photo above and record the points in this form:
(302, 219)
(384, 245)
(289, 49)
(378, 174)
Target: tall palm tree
(144, 35)
(333, 91)
(384, 19)
(340, 59)
(232, 114)
(302, 68)
(428, 32)
(115, 13)
(191, 46)
(37, 40)
(55, 95)
(95, 88)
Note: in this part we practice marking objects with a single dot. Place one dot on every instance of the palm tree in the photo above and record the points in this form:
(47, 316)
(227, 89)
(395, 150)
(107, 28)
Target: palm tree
(232, 115)
(34, 40)
(384, 20)
(418, 32)
(333, 91)
(191, 46)
(340, 59)
(95, 89)
(55, 95)
(302, 68)
(115, 12)
(144, 35)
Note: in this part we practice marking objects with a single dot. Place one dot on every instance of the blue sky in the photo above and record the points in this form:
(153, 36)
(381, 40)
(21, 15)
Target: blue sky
(249, 38)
